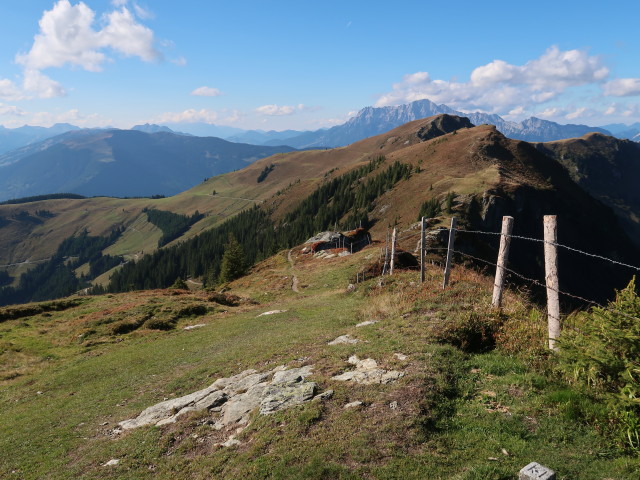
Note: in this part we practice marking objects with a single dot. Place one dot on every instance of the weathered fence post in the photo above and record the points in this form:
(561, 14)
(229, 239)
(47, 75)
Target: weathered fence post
(423, 247)
(386, 254)
(393, 250)
(503, 255)
(551, 277)
(447, 267)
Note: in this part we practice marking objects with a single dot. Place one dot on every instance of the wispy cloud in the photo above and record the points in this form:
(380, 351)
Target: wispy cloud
(278, 110)
(622, 87)
(187, 116)
(206, 92)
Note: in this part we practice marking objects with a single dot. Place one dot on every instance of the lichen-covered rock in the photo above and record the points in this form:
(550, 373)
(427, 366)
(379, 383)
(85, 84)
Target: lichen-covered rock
(343, 339)
(367, 372)
(279, 396)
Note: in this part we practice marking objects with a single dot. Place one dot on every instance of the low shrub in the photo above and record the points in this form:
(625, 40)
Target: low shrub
(473, 332)
(602, 355)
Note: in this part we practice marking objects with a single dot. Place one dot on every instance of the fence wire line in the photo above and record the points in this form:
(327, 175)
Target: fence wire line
(593, 255)
(540, 284)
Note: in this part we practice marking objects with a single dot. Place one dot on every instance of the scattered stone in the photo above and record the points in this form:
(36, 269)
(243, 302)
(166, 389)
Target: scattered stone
(504, 452)
(493, 459)
(344, 253)
(191, 327)
(343, 339)
(112, 462)
(104, 423)
(38, 392)
(535, 471)
(351, 288)
(324, 395)
(355, 404)
(400, 356)
(272, 312)
(366, 322)
(393, 405)
(367, 372)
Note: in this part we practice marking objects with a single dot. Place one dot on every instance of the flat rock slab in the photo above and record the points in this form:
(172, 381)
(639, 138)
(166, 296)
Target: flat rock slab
(367, 372)
(343, 339)
(191, 327)
(233, 399)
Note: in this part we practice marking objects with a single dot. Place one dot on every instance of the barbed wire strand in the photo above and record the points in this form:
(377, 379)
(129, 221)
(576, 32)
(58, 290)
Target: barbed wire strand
(540, 284)
(576, 250)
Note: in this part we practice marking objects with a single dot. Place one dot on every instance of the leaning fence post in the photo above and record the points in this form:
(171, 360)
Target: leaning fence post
(503, 255)
(551, 277)
(393, 250)
(422, 247)
(447, 267)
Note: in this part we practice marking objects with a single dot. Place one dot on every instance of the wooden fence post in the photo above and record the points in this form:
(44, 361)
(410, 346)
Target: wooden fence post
(551, 277)
(393, 250)
(423, 247)
(447, 267)
(503, 255)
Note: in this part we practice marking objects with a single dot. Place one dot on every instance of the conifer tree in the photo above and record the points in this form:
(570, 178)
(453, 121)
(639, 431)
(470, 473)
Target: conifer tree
(233, 261)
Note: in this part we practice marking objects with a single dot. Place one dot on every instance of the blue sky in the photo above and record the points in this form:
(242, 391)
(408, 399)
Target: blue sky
(306, 65)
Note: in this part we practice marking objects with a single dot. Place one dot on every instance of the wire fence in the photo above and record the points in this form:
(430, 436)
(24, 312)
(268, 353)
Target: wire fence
(411, 233)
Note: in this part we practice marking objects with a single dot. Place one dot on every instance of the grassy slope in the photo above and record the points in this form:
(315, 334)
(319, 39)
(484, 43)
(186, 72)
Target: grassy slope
(456, 411)
(448, 163)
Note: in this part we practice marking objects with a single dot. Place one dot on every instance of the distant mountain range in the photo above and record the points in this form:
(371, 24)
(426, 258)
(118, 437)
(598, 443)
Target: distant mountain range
(366, 123)
(372, 121)
(121, 163)
(12, 138)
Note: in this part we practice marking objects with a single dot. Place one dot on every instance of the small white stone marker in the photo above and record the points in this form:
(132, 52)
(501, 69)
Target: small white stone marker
(355, 404)
(400, 356)
(112, 462)
(535, 471)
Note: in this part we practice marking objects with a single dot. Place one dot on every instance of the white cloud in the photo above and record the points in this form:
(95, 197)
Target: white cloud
(11, 110)
(41, 86)
(9, 90)
(180, 61)
(142, 12)
(206, 92)
(501, 87)
(233, 117)
(577, 113)
(622, 87)
(551, 112)
(67, 37)
(278, 110)
(188, 116)
(126, 36)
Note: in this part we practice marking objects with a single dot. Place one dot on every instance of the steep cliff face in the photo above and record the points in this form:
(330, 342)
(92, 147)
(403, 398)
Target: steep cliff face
(607, 168)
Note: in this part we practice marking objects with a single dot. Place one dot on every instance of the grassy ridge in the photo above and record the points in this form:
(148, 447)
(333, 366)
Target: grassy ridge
(457, 408)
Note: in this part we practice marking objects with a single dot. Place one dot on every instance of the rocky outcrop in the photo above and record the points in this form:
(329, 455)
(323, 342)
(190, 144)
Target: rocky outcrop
(368, 372)
(231, 400)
